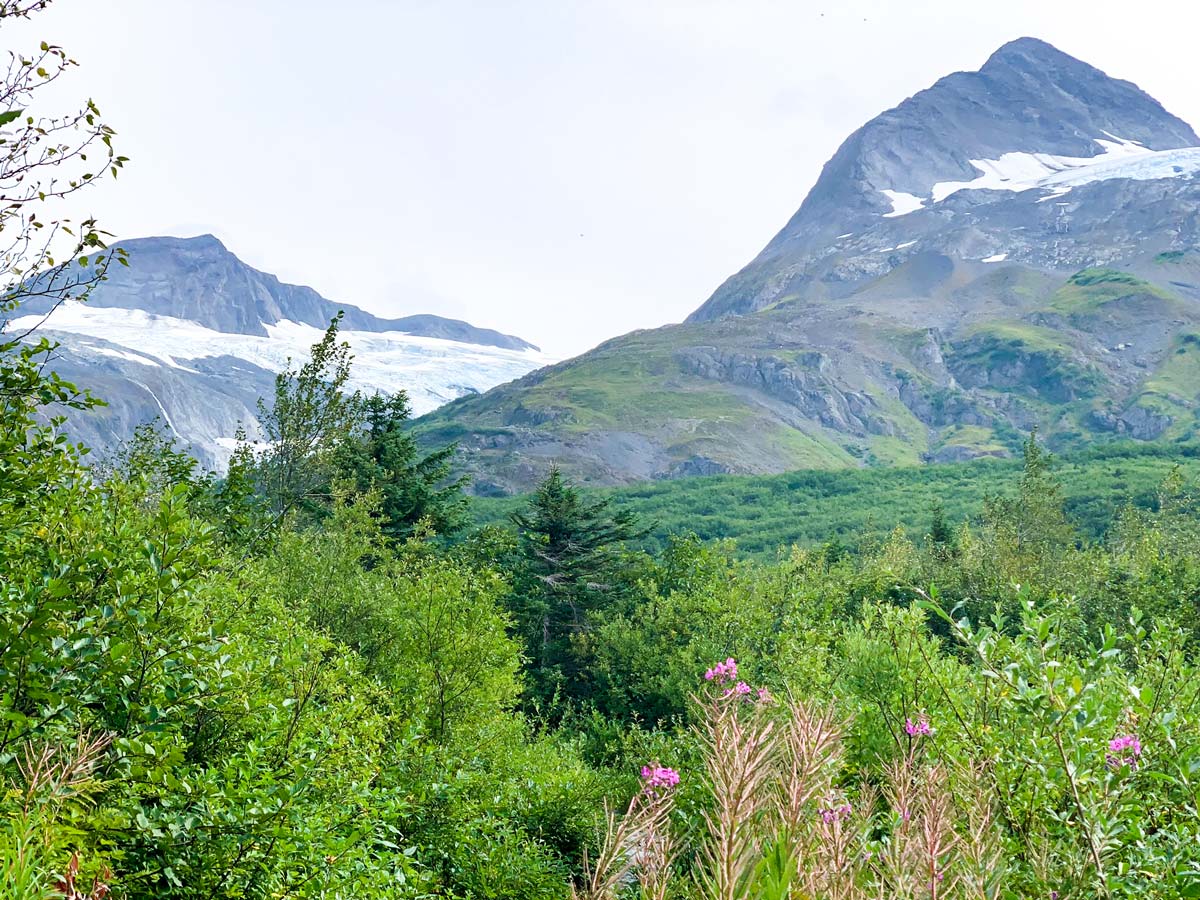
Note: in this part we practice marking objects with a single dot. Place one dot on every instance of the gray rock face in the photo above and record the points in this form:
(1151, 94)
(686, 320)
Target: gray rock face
(1027, 98)
(1137, 422)
(803, 384)
(202, 405)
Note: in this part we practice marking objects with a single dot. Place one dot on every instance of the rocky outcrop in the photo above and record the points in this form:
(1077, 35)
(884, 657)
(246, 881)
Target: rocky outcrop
(695, 466)
(1001, 364)
(1137, 422)
(801, 383)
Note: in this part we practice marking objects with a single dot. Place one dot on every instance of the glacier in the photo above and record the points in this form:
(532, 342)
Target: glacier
(432, 371)
(1019, 172)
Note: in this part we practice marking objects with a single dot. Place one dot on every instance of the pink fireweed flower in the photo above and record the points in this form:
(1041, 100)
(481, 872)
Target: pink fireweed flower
(764, 696)
(839, 813)
(741, 689)
(1123, 750)
(656, 778)
(722, 672)
(919, 727)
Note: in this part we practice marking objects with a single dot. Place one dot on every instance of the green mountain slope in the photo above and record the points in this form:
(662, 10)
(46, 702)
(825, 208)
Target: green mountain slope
(938, 360)
(1011, 248)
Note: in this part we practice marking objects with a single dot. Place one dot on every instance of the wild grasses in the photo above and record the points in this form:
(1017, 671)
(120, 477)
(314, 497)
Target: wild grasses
(32, 840)
(786, 820)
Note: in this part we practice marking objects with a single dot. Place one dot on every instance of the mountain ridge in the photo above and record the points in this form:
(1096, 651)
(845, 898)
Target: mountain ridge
(880, 155)
(202, 267)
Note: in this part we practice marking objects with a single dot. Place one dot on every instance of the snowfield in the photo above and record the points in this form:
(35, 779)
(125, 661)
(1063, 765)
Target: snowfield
(902, 203)
(1019, 172)
(433, 371)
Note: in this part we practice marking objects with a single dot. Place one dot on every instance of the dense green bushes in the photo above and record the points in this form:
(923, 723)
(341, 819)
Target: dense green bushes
(327, 711)
(289, 682)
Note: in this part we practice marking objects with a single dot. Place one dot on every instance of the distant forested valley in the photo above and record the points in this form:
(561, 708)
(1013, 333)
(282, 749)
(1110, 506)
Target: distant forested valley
(763, 514)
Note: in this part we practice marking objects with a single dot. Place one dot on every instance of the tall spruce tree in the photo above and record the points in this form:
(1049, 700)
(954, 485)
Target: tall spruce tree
(571, 560)
(414, 487)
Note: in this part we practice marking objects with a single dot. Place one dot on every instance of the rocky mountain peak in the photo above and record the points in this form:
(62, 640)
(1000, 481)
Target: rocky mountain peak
(199, 280)
(1044, 79)
(1030, 106)
(1033, 55)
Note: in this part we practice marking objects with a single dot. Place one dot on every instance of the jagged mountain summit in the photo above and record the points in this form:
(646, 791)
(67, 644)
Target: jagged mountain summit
(191, 335)
(1032, 122)
(1011, 248)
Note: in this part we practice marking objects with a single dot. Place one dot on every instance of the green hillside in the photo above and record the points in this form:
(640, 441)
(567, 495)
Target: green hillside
(764, 513)
(938, 360)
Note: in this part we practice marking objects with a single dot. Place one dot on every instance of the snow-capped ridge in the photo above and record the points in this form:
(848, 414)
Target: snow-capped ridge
(1030, 116)
(200, 279)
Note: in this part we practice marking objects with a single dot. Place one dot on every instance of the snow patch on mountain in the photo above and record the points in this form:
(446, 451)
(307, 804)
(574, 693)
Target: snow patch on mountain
(432, 370)
(1028, 171)
(902, 203)
(1057, 175)
(122, 354)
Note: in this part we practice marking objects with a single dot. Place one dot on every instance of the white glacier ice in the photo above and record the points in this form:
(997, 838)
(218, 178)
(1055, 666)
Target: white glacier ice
(433, 371)
(1058, 174)
(902, 203)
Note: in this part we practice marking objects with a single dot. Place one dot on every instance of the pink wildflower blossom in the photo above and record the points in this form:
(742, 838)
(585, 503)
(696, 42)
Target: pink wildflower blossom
(656, 777)
(839, 813)
(741, 689)
(917, 728)
(764, 696)
(722, 672)
(1124, 750)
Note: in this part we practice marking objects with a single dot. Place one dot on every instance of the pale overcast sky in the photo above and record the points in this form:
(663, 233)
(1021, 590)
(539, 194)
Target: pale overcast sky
(565, 171)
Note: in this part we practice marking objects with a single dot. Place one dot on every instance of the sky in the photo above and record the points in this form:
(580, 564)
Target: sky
(563, 170)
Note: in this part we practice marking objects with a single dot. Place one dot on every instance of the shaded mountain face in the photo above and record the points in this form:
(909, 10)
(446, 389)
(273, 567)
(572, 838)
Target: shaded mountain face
(199, 280)
(1014, 247)
(190, 335)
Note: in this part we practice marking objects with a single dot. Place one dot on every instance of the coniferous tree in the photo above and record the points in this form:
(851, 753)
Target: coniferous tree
(939, 528)
(571, 557)
(413, 487)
